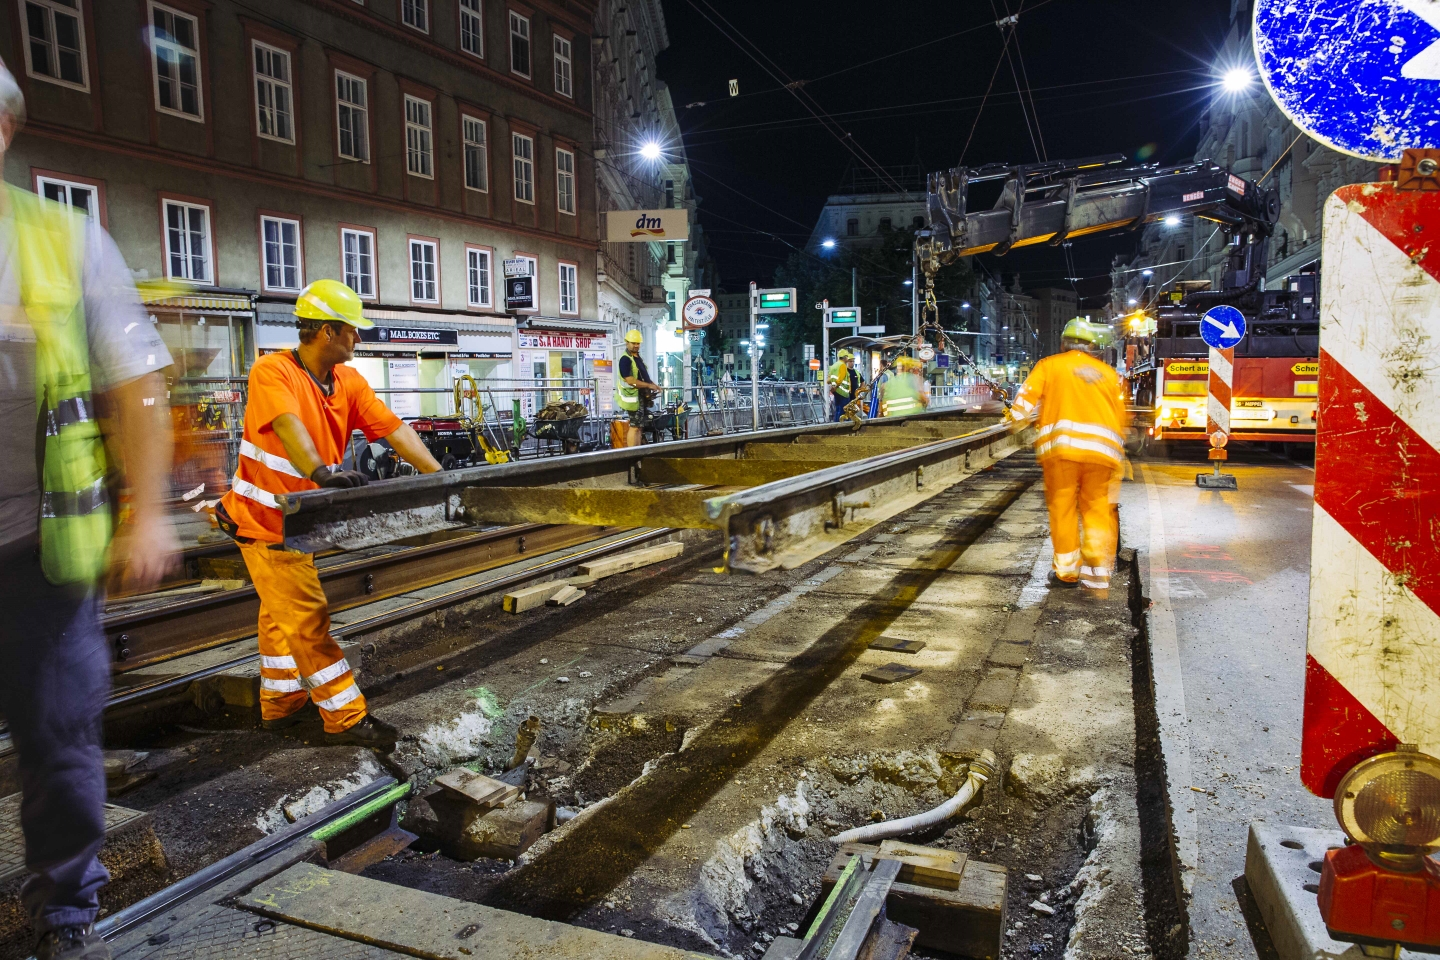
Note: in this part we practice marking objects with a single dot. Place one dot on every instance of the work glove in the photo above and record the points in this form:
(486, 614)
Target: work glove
(339, 479)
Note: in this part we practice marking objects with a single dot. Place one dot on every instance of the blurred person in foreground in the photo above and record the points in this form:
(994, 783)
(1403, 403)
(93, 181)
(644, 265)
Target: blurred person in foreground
(1077, 404)
(75, 347)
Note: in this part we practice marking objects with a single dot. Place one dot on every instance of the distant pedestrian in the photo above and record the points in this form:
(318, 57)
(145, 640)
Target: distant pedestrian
(1076, 402)
(75, 343)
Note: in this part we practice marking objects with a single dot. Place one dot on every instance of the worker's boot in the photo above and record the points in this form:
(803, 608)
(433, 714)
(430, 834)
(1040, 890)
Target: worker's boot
(1058, 581)
(72, 943)
(308, 712)
(369, 732)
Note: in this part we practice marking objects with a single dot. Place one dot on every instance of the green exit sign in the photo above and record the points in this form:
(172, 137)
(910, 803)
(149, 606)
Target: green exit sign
(776, 301)
(847, 317)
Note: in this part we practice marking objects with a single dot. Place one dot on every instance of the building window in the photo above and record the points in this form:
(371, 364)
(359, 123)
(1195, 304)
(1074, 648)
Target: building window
(187, 242)
(885, 226)
(477, 264)
(565, 181)
(424, 272)
(272, 93)
(669, 193)
(55, 41)
(569, 288)
(852, 227)
(418, 155)
(352, 117)
(175, 47)
(562, 67)
(81, 196)
(523, 149)
(416, 13)
(477, 155)
(357, 261)
(519, 44)
(280, 246)
(472, 28)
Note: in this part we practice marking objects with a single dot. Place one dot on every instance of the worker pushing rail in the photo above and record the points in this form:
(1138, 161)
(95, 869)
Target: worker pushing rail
(303, 405)
(1077, 404)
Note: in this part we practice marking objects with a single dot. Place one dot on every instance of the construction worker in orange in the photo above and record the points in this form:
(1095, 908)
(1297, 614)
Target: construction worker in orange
(1076, 402)
(302, 406)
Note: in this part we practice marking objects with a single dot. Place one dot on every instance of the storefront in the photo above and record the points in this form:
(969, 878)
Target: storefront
(413, 359)
(209, 338)
(565, 360)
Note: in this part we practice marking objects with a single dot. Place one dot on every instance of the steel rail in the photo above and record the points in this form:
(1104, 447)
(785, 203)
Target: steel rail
(394, 615)
(147, 635)
(389, 510)
(384, 789)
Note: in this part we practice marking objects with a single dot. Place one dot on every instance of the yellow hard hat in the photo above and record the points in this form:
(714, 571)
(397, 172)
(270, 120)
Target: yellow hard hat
(634, 336)
(845, 355)
(1080, 329)
(331, 300)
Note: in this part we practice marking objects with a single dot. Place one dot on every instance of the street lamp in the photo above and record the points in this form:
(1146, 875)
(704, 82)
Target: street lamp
(828, 243)
(1172, 221)
(906, 283)
(650, 150)
(1147, 273)
(1237, 79)
(1133, 302)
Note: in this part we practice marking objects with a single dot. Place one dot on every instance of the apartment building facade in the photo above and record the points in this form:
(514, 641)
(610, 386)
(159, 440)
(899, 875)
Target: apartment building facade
(240, 149)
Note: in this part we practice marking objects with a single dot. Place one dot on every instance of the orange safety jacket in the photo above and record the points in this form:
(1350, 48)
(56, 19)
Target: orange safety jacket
(279, 384)
(1079, 409)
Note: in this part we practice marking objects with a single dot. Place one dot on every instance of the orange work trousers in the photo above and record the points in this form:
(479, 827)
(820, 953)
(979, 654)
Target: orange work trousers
(298, 657)
(1084, 526)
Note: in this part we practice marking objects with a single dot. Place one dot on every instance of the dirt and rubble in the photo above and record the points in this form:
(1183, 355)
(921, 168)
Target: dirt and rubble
(735, 771)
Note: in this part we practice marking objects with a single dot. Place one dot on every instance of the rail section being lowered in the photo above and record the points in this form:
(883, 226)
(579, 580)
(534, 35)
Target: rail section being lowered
(780, 496)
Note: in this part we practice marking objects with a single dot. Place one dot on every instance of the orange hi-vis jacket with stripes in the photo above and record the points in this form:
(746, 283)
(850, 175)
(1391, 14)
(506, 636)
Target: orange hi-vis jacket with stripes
(278, 385)
(1079, 409)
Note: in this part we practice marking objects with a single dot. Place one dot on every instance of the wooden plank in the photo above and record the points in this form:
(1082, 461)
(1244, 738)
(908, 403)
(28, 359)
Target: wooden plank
(485, 792)
(969, 921)
(620, 506)
(528, 598)
(925, 866)
(428, 925)
(633, 560)
(566, 596)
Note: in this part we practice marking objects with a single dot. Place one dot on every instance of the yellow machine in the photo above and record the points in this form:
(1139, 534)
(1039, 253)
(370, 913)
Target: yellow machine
(467, 401)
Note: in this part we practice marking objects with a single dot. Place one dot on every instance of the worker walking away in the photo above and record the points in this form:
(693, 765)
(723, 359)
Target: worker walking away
(302, 406)
(75, 346)
(633, 387)
(843, 383)
(1076, 403)
(904, 391)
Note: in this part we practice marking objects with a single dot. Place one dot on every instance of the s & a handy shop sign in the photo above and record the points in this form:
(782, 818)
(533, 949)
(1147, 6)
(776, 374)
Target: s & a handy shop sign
(635, 226)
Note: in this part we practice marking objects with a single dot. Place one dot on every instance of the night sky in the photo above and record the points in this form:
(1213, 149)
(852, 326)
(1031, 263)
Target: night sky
(905, 80)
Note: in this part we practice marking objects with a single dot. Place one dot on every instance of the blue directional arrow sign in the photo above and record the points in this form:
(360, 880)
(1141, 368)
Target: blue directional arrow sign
(1222, 327)
(1361, 76)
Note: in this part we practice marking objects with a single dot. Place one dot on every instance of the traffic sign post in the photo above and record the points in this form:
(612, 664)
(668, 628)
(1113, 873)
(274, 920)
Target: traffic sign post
(1221, 328)
(777, 300)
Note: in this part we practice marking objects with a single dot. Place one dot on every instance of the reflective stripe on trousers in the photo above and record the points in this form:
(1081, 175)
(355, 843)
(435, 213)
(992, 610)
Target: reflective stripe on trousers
(298, 657)
(1083, 523)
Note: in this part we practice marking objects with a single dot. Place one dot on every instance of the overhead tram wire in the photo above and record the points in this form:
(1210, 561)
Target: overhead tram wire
(1034, 111)
(981, 109)
(835, 130)
(1013, 21)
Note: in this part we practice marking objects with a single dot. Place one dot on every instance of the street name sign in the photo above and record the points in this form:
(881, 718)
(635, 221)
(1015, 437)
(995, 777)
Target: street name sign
(1361, 76)
(519, 267)
(1222, 327)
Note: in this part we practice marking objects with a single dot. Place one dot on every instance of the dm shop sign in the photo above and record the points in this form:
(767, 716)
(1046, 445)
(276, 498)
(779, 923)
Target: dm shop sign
(410, 336)
(636, 226)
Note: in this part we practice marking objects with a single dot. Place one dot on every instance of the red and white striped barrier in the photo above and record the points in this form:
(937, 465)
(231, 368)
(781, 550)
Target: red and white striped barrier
(1217, 400)
(1373, 666)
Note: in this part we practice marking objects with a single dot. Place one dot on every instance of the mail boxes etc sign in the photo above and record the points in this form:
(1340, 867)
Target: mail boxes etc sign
(407, 336)
(635, 226)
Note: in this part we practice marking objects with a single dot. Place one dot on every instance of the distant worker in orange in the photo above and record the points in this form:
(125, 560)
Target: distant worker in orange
(302, 406)
(1076, 402)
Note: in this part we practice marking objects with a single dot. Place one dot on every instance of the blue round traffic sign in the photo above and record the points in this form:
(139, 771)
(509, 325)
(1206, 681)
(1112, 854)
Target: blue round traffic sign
(1222, 327)
(1361, 76)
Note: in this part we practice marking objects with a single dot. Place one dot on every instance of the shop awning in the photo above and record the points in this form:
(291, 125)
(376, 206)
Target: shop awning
(171, 296)
(575, 324)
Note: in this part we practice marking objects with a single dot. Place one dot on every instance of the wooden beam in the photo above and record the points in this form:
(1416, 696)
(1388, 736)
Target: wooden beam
(621, 506)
